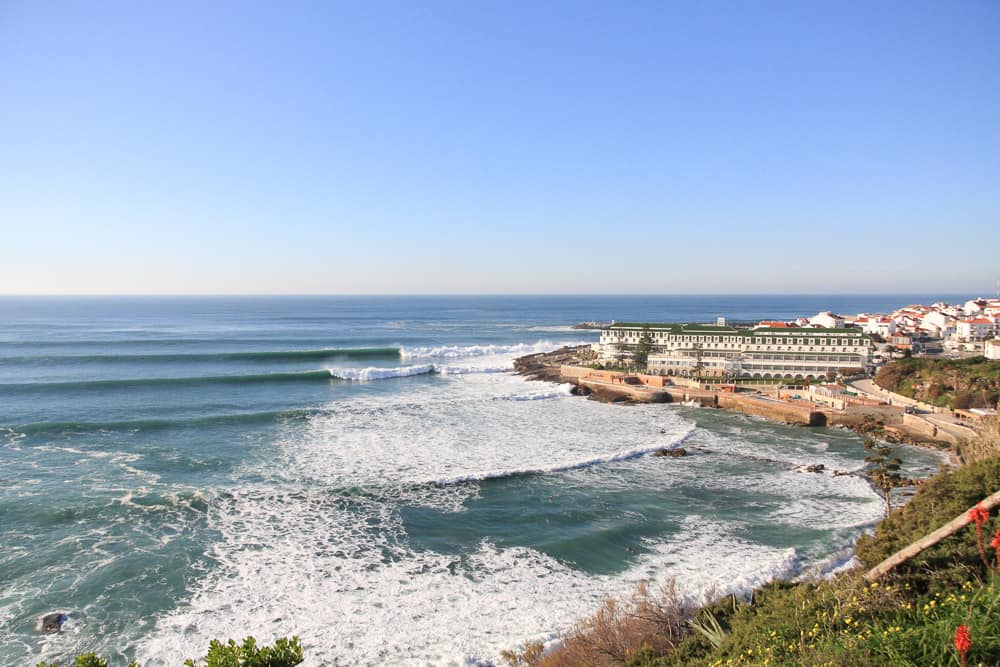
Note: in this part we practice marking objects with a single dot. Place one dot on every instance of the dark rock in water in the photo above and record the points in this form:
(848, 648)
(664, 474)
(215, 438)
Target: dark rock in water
(816, 467)
(672, 453)
(53, 622)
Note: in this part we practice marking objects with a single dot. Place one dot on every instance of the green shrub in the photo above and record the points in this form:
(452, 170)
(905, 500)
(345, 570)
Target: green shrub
(284, 653)
(909, 619)
(940, 499)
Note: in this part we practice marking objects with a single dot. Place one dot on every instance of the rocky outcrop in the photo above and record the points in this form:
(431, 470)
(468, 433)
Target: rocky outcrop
(546, 365)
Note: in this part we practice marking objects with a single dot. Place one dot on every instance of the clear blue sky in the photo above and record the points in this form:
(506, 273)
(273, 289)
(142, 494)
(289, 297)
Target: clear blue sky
(503, 147)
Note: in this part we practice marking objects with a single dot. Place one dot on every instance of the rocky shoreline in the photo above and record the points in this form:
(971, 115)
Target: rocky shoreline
(552, 366)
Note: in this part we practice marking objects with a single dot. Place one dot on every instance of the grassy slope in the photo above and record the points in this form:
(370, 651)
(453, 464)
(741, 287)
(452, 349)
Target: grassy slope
(952, 383)
(908, 619)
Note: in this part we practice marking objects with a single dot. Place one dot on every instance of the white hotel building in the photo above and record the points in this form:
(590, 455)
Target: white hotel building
(719, 351)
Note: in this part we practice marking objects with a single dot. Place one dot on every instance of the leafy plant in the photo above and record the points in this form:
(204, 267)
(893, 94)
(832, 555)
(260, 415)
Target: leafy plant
(708, 626)
(284, 653)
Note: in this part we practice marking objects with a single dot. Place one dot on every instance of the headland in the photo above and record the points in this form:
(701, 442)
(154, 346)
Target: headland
(807, 404)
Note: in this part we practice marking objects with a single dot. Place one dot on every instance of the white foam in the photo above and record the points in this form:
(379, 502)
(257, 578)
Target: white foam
(366, 599)
(374, 373)
(559, 391)
(611, 457)
(316, 545)
(465, 351)
(565, 328)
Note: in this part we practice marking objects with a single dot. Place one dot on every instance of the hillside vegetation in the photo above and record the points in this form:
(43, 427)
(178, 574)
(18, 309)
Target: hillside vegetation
(952, 383)
(911, 617)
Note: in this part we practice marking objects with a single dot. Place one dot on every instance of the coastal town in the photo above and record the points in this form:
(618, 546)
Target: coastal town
(814, 370)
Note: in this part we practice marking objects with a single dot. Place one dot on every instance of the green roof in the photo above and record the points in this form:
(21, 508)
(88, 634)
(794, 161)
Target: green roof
(712, 328)
(675, 328)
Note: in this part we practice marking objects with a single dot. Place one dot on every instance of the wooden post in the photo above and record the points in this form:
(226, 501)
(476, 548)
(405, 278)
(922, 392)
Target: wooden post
(927, 541)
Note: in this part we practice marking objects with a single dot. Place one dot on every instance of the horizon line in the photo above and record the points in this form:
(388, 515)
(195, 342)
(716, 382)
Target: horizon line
(455, 294)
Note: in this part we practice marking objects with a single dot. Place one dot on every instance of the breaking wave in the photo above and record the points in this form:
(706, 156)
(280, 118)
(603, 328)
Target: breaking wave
(373, 373)
(462, 351)
(263, 356)
(376, 373)
(35, 428)
(302, 376)
(611, 457)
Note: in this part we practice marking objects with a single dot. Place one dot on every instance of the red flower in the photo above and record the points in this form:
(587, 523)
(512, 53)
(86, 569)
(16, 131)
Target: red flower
(996, 547)
(962, 641)
(979, 514)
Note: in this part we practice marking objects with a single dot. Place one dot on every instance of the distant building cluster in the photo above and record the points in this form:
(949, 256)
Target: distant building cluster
(808, 348)
(959, 326)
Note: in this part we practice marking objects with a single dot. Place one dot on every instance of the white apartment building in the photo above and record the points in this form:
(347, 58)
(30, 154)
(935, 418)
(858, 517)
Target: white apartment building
(973, 306)
(979, 328)
(991, 348)
(939, 323)
(717, 351)
(880, 326)
(827, 320)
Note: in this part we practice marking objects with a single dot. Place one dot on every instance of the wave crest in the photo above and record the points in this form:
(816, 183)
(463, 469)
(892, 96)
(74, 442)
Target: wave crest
(462, 351)
(611, 457)
(375, 373)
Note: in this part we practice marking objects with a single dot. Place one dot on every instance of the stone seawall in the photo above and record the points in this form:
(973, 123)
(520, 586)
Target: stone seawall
(612, 393)
(565, 365)
(791, 413)
(759, 406)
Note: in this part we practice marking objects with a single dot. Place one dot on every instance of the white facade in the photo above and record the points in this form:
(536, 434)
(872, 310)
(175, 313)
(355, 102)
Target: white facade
(973, 306)
(939, 324)
(692, 349)
(992, 348)
(880, 326)
(827, 320)
(976, 329)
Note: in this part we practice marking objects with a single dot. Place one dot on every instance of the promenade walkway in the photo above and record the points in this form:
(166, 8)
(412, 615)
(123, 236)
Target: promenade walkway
(936, 416)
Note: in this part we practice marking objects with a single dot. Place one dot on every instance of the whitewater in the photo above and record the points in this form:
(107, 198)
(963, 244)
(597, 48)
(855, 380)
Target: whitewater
(374, 480)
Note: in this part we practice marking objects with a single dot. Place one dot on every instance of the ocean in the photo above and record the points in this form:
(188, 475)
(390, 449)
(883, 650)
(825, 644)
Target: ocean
(367, 473)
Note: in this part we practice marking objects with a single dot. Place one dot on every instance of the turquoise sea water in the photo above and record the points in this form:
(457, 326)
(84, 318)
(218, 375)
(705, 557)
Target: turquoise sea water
(367, 474)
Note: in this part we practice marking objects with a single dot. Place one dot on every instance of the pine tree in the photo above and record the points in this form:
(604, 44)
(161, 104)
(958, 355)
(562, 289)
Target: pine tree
(883, 469)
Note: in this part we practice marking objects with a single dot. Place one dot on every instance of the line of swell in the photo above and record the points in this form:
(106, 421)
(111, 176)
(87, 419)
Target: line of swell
(304, 376)
(35, 428)
(613, 457)
(263, 355)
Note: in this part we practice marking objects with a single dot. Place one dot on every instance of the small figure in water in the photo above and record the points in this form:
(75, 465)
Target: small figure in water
(52, 622)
